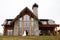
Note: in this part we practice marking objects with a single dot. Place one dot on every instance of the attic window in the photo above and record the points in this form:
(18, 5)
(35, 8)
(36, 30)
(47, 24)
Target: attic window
(9, 22)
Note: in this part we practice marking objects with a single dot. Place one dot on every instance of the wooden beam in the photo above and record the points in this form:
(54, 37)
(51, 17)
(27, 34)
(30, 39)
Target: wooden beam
(22, 25)
(30, 26)
(55, 31)
(5, 32)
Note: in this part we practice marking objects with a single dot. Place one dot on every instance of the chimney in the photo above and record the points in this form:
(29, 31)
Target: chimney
(35, 9)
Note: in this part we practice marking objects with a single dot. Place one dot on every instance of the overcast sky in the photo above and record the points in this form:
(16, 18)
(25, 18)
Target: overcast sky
(48, 9)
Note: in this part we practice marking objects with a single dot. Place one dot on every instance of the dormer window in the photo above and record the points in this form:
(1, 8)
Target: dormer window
(9, 22)
(44, 22)
(51, 22)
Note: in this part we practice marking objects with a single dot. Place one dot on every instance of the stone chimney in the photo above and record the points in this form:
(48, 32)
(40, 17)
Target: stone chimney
(36, 27)
(35, 9)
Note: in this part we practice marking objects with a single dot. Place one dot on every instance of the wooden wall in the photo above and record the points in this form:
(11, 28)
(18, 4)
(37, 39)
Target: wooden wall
(7, 27)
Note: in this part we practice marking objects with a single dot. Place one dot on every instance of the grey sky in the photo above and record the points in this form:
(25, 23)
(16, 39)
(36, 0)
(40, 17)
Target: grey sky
(49, 9)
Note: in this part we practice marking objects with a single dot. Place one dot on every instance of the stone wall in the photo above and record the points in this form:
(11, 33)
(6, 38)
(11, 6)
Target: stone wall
(35, 11)
(36, 28)
(16, 27)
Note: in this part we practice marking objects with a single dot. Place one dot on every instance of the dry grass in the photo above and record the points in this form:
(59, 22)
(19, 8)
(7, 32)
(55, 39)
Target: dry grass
(30, 38)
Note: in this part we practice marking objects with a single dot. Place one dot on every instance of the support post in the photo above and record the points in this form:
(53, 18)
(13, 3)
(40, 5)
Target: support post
(30, 26)
(22, 25)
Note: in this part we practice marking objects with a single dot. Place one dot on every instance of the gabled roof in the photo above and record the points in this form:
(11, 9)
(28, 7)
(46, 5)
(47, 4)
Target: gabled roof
(23, 12)
(5, 22)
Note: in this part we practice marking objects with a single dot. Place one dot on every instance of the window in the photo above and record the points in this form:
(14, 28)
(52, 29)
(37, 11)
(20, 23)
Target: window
(51, 22)
(26, 18)
(9, 22)
(26, 24)
(9, 32)
(44, 22)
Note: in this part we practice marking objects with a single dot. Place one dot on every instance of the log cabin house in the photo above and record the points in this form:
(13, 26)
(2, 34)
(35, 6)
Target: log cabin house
(27, 22)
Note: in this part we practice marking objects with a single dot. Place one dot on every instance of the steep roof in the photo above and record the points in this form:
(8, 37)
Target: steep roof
(23, 12)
